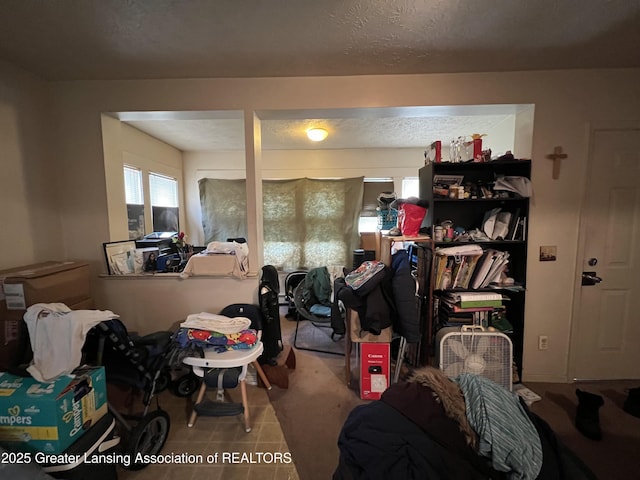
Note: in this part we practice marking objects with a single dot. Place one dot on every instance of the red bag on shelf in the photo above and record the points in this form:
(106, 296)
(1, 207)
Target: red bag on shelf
(410, 218)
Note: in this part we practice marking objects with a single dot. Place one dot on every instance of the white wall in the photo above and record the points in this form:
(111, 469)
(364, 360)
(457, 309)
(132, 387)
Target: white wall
(125, 145)
(566, 103)
(279, 164)
(29, 212)
(396, 163)
(150, 304)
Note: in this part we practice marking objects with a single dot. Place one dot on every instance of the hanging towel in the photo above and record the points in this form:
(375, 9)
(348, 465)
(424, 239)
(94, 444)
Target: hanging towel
(57, 335)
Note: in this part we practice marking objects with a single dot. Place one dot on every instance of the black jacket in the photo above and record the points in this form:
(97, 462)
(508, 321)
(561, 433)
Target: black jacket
(406, 435)
(405, 298)
(374, 304)
(377, 442)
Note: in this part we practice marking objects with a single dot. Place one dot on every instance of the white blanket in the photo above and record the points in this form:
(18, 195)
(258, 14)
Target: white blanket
(213, 260)
(57, 335)
(216, 323)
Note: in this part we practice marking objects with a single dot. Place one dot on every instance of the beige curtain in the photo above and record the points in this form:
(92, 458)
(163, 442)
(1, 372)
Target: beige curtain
(224, 208)
(307, 222)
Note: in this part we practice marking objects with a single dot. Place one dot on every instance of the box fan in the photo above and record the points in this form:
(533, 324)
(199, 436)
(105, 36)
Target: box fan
(471, 349)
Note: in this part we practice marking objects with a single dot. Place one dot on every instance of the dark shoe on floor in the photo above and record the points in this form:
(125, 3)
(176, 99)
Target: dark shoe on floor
(587, 415)
(632, 403)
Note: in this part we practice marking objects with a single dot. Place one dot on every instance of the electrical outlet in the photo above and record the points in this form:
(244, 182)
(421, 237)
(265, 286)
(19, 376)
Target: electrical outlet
(543, 342)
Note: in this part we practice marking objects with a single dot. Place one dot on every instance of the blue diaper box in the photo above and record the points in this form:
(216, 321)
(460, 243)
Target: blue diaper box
(50, 416)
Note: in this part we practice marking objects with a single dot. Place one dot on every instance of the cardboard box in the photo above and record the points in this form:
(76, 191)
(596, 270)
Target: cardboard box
(47, 282)
(14, 338)
(86, 304)
(375, 366)
(15, 346)
(371, 241)
(48, 417)
(21, 287)
(10, 331)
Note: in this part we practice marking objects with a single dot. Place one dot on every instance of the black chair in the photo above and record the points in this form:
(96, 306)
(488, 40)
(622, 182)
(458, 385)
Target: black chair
(291, 281)
(318, 314)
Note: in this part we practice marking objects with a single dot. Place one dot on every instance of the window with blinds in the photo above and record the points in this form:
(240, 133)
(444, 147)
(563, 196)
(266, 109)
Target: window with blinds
(134, 197)
(163, 192)
(133, 186)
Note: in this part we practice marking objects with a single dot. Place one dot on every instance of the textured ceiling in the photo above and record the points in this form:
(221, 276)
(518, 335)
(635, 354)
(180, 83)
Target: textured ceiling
(142, 39)
(387, 128)
(133, 39)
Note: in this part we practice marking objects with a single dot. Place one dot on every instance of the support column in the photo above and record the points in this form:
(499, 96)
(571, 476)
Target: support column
(253, 159)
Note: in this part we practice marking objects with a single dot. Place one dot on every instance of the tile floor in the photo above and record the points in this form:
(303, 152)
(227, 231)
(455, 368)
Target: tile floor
(222, 436)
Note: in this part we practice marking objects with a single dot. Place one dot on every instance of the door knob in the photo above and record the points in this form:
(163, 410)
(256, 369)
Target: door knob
(592, 262)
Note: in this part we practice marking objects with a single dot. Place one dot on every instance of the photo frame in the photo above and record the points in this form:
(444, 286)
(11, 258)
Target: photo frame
(120, 257)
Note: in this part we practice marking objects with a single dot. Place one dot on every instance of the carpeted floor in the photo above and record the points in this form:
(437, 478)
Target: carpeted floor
(314, 407)
(317, 337)
(617, 455)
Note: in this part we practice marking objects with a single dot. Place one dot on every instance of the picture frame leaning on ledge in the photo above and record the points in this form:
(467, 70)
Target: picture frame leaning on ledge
(120, 257)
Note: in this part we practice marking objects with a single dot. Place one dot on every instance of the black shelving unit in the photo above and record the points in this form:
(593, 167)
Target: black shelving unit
(468, 213)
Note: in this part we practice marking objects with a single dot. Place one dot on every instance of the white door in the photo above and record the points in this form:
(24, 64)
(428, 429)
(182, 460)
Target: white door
(606, 335)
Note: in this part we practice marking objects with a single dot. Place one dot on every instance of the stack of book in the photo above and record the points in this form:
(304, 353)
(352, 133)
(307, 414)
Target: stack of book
(468, 308)
(489, 269)
(454, 266)
(517, 227)
(468, 267)
(502, 225)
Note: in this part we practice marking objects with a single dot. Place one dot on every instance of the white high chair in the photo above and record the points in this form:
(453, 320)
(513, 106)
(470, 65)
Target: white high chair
(227, 360)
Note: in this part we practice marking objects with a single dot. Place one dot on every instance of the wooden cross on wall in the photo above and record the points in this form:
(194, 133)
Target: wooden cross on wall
(555, 157)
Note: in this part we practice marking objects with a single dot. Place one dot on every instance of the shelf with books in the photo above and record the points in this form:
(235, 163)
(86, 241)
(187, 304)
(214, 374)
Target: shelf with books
(483, 268)
(484, 243)
(485, 205)
(476, 200)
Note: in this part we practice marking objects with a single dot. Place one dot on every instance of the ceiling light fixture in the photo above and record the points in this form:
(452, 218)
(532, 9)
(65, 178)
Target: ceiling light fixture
(317, 134)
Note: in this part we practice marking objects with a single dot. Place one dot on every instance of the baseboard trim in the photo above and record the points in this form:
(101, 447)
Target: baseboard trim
(544, 378)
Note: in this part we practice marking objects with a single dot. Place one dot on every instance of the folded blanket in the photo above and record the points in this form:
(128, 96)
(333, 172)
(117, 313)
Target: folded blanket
(216, 323)
(219, 342)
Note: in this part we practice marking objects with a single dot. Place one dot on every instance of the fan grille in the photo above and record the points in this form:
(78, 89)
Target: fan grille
(489, 354)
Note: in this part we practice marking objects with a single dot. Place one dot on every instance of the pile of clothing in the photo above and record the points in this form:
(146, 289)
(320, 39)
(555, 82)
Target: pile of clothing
(433, 427)
(219, 332)
(382, 296)
(57, 334)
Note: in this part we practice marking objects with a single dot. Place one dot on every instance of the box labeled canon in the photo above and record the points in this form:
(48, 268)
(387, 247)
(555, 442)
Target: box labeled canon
(375, 364)
(48, 417)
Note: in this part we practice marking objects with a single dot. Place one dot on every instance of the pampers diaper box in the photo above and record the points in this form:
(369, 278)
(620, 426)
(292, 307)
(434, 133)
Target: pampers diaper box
(48, 417)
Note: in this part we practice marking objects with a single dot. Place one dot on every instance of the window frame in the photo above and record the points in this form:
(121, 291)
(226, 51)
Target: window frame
(147, 222)
(369, 223)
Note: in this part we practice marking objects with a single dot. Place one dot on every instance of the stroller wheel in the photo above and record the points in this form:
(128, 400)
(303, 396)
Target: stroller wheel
(147, 437)
(163, 380)
(186, 385)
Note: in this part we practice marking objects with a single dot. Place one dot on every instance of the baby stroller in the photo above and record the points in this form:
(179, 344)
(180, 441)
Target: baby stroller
(145, 364)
